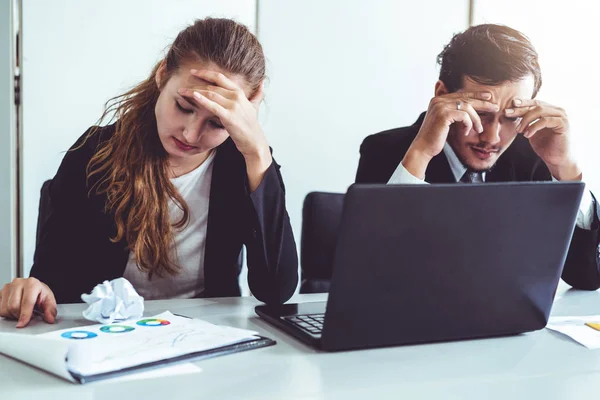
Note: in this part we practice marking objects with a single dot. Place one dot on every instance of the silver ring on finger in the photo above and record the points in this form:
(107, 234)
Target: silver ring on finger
(458, 105)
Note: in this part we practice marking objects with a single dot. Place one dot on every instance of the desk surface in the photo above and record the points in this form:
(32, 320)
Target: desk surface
(540, 365)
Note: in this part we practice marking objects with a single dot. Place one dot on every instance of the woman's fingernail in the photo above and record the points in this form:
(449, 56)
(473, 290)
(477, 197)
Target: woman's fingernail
(509, 111)
(517, 102)
(193, 71)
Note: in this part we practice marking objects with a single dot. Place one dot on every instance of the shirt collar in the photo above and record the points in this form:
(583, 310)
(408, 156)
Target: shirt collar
(457, 167)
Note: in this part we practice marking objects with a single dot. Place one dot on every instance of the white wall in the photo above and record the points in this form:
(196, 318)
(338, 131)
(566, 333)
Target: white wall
(341, 70)
(7, 148)
(77, 55)
(565, 35)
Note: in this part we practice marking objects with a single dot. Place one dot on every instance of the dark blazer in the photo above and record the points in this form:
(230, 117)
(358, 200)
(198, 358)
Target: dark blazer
(381, 153)
(75, 252)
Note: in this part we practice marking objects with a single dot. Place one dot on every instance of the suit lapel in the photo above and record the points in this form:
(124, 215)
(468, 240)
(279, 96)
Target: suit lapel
(438, 170)
(221, 232)
(503, 171)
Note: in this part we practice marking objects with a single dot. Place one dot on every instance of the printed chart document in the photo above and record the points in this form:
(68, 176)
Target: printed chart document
(93, 352)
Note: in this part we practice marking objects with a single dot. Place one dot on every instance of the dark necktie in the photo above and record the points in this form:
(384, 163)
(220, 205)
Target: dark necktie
(472, 177)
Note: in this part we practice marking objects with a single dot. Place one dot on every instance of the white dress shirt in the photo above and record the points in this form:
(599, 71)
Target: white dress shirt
(585, 215)
(189, 245)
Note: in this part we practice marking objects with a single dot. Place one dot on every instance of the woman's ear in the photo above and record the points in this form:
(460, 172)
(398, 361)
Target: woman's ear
(160, 74)
(440, 89)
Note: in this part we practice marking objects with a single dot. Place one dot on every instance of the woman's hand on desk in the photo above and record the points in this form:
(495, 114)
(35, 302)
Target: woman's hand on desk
(19, 298)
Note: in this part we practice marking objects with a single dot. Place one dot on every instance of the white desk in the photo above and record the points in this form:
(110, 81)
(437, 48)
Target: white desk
(539, 365)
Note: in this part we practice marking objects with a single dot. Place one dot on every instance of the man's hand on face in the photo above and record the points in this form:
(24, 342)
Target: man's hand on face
(459, 108)
(547, 128)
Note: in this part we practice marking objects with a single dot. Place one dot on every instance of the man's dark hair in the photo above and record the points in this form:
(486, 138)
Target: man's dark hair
(490, 55)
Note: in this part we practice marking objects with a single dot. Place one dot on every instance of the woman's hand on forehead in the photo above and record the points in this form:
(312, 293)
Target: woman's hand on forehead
(205, 81)
(202, 78)
(238, 114)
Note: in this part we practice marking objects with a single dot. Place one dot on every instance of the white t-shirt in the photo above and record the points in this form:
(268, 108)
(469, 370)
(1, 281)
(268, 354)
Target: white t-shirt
(190, 242)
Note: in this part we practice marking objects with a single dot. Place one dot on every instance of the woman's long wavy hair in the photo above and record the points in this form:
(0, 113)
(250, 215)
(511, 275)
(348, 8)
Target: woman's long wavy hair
(131, 168)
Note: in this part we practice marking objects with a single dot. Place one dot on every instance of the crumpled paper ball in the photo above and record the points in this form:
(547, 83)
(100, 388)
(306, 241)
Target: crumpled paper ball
(112, 301)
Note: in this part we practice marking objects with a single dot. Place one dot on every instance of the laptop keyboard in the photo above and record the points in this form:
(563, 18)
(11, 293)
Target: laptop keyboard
(311, 323)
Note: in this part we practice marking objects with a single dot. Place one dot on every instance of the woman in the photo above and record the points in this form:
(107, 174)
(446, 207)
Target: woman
(168, 194)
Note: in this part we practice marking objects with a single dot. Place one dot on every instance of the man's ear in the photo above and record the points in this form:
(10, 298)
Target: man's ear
(160, 73)
(441, 89)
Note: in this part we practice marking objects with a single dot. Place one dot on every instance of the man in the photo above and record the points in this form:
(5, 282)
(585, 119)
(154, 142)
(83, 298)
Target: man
(485, 125)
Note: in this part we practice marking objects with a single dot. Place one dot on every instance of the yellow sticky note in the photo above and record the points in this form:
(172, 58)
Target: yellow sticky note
(593, 325)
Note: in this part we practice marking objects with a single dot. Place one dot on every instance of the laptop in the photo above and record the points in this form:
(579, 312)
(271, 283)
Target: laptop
(429, 263)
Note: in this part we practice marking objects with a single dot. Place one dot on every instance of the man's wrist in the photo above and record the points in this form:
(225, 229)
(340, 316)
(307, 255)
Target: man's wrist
(416, 162)
(566, 172)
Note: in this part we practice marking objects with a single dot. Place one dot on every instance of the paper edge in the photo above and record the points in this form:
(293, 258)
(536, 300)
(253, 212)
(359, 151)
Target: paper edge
(42, 353)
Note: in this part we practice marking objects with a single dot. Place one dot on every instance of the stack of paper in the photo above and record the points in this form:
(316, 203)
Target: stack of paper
(584, 330)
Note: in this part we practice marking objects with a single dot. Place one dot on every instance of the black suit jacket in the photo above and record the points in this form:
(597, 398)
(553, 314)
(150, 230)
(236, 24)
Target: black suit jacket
(75, 253)
(381, 153)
